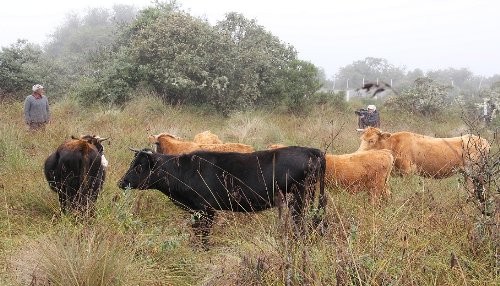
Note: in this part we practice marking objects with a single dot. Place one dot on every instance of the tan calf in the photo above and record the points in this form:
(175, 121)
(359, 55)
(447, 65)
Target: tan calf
(366, 171)
(170, 144)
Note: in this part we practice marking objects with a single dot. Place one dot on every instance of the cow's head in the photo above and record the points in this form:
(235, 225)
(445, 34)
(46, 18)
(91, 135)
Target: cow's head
(156, 141)
(93, 140)
(373, 139)
(138, 175)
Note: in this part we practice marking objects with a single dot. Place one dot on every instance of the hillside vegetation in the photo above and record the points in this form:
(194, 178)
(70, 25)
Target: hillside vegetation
(429, 232)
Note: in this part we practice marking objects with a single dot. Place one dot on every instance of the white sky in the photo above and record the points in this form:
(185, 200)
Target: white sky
(426, 34)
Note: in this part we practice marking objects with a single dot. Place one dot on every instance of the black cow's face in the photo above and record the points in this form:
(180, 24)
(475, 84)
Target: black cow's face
(138, 175)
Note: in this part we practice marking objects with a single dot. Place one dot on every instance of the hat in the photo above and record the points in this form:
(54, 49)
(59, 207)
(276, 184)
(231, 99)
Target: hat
(372, 107)
(37, 87)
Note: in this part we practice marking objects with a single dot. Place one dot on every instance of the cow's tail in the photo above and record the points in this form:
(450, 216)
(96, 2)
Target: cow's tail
(322, 199)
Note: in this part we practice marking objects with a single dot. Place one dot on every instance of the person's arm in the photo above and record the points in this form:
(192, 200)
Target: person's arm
(27, 107)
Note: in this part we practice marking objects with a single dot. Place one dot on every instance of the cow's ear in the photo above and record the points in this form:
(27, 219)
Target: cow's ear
(152, 139)
(385, 135)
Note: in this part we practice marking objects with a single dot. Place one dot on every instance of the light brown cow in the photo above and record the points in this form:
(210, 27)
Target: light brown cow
(431, 157)
(206, 137)
(360, 171)
(170, 144)
(366, 171)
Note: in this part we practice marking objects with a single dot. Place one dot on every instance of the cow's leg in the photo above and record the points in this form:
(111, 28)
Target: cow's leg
(63, 200)
(300, 199)
(279, 200)
(93, 192)
(203, 221)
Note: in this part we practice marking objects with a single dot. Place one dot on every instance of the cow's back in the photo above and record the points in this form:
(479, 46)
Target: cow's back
(432, 157)
(240, 181)
(206, 137)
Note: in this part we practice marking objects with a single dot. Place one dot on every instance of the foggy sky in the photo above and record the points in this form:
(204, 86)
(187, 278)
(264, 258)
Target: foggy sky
(425, 34)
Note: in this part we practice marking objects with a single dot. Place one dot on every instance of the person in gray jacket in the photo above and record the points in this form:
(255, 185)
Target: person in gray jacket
(36, 108)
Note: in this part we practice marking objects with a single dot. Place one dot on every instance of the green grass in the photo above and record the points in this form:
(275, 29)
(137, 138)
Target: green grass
(427, 233)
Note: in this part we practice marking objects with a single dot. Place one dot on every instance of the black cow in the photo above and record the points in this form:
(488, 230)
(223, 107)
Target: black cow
(76, 171)
(203, 182)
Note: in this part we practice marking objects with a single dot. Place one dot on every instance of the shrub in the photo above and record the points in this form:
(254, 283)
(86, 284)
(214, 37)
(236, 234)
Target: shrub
(425, 97)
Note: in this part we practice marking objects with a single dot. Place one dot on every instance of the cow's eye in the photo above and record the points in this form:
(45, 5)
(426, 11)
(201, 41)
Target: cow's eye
(371, 141)
(138, 169)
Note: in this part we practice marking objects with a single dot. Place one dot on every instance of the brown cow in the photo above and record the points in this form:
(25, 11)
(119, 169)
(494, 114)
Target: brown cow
(206, 137)
(360, 171)
(76, 172)
(170, 144)
(431, 157)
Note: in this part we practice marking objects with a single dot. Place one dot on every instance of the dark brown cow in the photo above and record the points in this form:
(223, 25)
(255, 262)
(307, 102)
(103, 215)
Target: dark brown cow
(76, 172)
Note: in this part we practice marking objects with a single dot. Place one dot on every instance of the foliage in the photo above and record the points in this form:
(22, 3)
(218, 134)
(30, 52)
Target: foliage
(370, 69)
(20, 67)
(425, 97)
(175, 55)
(233, 65)
(85, 47)
(335, 99)
(299, 82)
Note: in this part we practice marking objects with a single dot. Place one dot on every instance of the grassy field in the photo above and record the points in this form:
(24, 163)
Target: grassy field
(428, 233)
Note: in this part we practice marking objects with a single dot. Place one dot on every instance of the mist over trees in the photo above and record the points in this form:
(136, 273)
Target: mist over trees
(112, 55)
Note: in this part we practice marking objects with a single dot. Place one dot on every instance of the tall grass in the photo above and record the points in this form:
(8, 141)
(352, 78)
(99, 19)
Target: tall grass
(428, 233)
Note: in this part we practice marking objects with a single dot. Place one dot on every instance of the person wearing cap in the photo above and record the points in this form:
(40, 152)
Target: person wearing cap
(372, 117)
(368, 117)
(36, 108)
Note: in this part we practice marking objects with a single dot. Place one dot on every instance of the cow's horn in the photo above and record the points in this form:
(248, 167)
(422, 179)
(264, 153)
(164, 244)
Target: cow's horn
(103, 139)
(360, 129)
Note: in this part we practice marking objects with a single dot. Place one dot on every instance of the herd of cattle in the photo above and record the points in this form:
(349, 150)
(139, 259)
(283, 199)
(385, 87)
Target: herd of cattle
(206, 175)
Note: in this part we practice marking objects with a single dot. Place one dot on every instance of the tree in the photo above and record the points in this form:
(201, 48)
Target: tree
(300, 80)
(257, 61)
(370, 69)
(80, 45)
(22, 64)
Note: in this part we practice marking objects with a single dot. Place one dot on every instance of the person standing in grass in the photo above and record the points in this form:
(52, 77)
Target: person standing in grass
(36, 109)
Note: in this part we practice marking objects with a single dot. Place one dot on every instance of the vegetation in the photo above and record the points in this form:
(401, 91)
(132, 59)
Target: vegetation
(425, 97)
(428, 232)
(127, 74)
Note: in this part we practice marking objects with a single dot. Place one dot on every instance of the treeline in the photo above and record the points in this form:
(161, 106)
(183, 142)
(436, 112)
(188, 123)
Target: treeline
(110, 56)
(428, 93)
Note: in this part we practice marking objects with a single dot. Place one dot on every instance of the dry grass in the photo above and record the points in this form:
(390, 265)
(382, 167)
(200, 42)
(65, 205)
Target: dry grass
(427, 233)
(82, 257)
